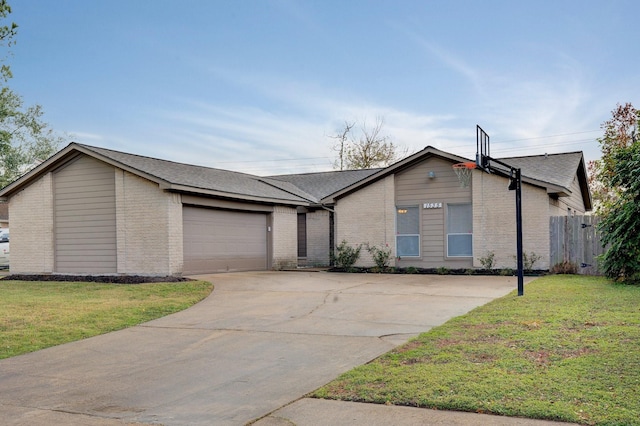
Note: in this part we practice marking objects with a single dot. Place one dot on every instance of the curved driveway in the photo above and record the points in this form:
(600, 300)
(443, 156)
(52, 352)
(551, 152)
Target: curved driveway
(258, 342)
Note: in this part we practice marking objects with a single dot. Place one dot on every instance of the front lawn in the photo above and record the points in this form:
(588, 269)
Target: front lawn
(568, 350)
(35, 315)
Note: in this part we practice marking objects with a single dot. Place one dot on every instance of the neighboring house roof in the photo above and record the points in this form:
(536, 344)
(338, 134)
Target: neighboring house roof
(555, 172)
(200, 180)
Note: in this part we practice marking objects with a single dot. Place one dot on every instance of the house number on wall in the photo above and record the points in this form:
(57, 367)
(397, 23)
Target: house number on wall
(432, 205)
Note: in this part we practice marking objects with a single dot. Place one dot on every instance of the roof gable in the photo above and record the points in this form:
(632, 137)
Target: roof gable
(403, 164)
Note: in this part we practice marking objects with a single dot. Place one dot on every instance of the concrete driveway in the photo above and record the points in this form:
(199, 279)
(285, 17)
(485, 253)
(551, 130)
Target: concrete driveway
(260, 341)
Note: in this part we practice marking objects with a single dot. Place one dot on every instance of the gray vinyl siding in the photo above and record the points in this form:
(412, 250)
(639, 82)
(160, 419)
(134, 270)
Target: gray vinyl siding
(415, 188)
(575, 201)
(85, 217)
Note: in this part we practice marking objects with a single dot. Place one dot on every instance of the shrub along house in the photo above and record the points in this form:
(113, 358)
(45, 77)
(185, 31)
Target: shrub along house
(90, 210)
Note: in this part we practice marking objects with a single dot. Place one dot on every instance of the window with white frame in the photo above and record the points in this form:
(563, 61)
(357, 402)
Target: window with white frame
(459, 230)
(408, 231)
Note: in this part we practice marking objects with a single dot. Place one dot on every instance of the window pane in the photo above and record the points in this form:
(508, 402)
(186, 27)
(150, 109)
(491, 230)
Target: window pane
(459, 219)
(459, 230)
(408, 220)
(408, 231)
(408, 245)
(459, 245)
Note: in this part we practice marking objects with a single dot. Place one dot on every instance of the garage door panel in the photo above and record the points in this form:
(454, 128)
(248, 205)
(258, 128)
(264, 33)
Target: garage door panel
(205, 266)
(221, 240)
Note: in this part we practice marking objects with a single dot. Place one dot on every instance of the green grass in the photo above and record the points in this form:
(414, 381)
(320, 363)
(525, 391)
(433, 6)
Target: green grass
(37, 315)
(568, 350)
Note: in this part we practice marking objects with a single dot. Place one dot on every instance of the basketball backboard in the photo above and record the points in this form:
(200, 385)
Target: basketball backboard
(482, 148)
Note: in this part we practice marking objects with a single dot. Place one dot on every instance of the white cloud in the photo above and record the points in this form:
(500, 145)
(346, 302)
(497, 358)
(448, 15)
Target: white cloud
(85, 137)
(550, 94)
(287, 128)
(295, 122)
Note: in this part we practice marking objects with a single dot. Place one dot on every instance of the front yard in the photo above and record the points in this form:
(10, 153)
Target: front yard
(35, 315)
(568, 350)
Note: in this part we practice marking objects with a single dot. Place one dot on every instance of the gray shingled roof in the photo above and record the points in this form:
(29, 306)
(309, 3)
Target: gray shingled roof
(303, 188)
(557, 169)
(199, 177)
(319, 185)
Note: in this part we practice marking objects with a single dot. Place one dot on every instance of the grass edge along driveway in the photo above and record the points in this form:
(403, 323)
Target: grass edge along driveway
(35, 315)
(568, 350)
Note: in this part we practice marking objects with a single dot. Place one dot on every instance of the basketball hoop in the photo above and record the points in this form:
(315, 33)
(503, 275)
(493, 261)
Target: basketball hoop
(463, 171)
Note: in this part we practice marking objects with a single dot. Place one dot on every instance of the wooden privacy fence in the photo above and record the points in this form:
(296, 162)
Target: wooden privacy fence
(576, 239)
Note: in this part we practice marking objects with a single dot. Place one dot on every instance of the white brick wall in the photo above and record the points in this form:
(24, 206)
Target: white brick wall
(149, 227)
(318, 238)
(368, 216)
(494, 221)
(284, 234)
(31, 213)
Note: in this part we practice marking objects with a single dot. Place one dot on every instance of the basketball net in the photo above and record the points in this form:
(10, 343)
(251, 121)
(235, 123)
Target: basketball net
(464, 172)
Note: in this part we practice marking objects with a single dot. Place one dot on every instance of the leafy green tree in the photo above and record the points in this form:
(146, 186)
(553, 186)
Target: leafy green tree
(7, 32)
(617, 175)
(25, 140)
(619, 133)
(620, 227)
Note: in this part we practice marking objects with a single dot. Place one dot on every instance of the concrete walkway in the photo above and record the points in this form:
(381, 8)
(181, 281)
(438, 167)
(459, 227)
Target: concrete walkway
(259, 342)
(320, 412)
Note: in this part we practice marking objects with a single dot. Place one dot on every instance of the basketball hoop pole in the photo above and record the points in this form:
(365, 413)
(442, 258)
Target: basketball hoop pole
(519, 252)
(483, 160)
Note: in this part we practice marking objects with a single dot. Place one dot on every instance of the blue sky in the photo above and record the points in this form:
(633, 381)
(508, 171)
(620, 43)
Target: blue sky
(259, 85)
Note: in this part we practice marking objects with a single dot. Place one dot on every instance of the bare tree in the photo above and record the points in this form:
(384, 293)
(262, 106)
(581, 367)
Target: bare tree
(369, 148)
(342, 139)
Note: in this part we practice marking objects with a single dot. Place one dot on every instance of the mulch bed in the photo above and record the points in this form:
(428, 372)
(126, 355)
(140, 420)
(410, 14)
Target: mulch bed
(437, 271)
(111, 279)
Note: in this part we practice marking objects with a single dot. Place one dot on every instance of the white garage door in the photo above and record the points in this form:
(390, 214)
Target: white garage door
(222, 240)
